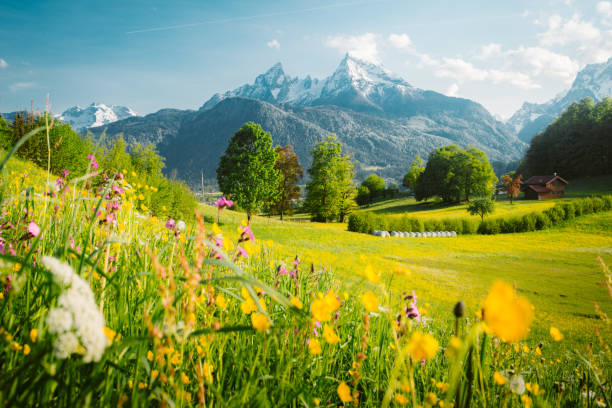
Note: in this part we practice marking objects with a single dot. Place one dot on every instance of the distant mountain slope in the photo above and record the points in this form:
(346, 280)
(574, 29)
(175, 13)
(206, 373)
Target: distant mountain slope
(594, 81)
(381, 120)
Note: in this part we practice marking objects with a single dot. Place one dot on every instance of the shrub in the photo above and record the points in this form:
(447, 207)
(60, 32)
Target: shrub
(489, 227)
(469, 226)
(542, 221)
(598, 204)
(569, 210)
(607, 199)
(528, 222)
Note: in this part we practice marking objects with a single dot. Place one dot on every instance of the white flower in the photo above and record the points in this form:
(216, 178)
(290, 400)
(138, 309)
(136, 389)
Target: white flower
(76, 320)
(59, 320)
(517, 384)
(181, 225)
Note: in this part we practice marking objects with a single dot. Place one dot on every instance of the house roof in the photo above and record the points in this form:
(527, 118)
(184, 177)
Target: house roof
(539, 189)
(543, 180)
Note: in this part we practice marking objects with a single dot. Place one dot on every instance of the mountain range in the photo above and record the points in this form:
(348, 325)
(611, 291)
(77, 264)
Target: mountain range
(594, 81)
(381, 120)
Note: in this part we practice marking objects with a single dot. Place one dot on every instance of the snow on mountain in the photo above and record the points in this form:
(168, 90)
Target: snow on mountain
(96, 114)
(594, 81)
(274, 86)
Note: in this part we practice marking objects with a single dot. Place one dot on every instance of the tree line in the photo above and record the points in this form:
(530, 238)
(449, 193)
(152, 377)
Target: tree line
(577, 144)
(142, 164)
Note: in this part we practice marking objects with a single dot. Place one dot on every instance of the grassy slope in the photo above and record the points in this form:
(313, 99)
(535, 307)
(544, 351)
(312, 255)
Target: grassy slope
(556, 269)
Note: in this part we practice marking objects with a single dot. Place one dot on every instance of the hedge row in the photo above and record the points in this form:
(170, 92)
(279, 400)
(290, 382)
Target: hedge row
(367, 222)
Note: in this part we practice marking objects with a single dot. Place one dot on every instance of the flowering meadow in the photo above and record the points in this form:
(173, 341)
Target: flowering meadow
(105, 305)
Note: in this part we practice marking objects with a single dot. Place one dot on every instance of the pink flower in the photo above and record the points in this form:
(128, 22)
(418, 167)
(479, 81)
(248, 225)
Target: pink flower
(65, 173)
(224, 202)
(282, 270)
(170, 224)
(242, 251)
(33, 229)
(94, 162)
(247, 231)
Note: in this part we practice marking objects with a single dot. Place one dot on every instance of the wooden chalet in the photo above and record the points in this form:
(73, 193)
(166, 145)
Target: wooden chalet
(544, 187)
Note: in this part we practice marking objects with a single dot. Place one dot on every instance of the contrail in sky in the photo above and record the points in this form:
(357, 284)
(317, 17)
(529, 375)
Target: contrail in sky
(232, 19)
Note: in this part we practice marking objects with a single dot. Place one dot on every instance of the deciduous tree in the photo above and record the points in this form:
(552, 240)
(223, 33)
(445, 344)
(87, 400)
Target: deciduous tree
(288, 164)
(246, 172)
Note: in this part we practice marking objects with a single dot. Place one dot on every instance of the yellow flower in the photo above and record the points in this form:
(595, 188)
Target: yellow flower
(320, 310)
(344, 392)
(454, 345)
(184, 379)
(317, 401)
(110, 334)
(314, 346)
(260, 322)
(176, 359)
(154, 374)
(556, 334)
(371, 275)
(221, 302)
(534, 389)
(142, 386)
(526, 401)
(143, 207)
(401, 399)
(499, 379)
(422, 346)
(330, 335)
(208, 370)
(432, 399)
(506, 314)
(26, 349)
(525, 349)
(370, 302)
(538, 351)
(296, 302)
(150, 355)
(442, 386)
(141, 197)
(16, 346)
(405, 387)
(33, 335)
(216, 230)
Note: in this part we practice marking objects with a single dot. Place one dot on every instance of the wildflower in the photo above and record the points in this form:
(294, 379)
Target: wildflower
(422, 346)
(317, 401)
(110, 334)
(526, 401)
(296, 302)
(370, 302)
(224, 203)
(525, 349)
(33, 335)
(538, 351)
(405, 387)
(330, 335)
(33, 229)
(171, 224)
(180, 226)
(371, 275)
(534, 389)
(184, 379)
(221, 302)
(216, 230)
(556, 334)
(499, 379)
(208, 370)
(431, 398)
(93, 161)
(260, 322)
(314, 346)
(344, 392)
(150, 355)
(176, 359)
(401, 399)
(76, 320)
(442, 386)
(142, 386)
(154, 374)
(506, 314)
(26, 349)
(241, 251)
(517, 384)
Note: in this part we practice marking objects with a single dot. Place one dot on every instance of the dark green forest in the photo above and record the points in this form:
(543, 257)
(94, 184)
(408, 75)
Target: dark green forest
(577, 144)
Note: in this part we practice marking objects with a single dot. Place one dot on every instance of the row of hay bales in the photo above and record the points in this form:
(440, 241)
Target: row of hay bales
(404, 234)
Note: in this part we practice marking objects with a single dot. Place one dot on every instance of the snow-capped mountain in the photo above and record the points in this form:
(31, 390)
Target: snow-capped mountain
(96, 114)
(594, 81)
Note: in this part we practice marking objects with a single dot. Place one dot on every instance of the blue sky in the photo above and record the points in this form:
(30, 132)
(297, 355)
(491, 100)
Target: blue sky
(150, 55)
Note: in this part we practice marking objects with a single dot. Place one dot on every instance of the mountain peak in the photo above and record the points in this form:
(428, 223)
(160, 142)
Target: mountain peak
(96, 114)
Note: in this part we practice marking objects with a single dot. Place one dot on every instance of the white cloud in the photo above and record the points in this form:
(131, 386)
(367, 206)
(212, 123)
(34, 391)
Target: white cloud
(562, 32)
(400, 40)
(460, 70)
(3, 64)
(364, 46)
(452, 90)
(19, 86)
(604, 8)
(273, 44)
(464, 71)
